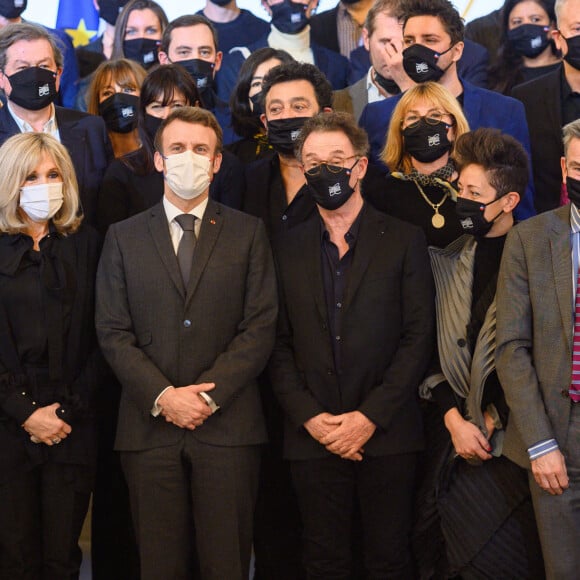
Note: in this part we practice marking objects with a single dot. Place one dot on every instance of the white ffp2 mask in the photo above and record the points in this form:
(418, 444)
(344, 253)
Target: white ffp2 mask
(187, 174)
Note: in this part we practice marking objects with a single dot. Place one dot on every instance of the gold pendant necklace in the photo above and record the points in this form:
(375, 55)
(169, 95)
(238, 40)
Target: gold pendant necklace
(437, 220)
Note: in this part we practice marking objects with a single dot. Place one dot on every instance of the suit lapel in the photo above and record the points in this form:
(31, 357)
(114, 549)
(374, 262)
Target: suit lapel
(211, 226)
(471, 105)
(159, 229)
(561, 258)
(310, 251)
(552, 101)
(371, 228)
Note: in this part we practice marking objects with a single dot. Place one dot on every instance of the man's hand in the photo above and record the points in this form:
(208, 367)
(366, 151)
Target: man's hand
(44, 426)
(468, 440)
(550, 472)
(318, 426)
(394, 58)
(352, 431)
(183, 406)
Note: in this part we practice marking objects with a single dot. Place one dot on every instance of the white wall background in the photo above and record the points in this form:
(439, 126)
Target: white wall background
(44, 11)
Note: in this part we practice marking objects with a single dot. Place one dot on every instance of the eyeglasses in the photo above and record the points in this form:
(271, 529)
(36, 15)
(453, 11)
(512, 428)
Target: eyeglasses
(412, 120)
(335, 165)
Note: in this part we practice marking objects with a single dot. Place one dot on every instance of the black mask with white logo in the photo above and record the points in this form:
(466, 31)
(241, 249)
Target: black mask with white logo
(289, 17)
(142, 50)
(201, 71)
(282, 134)
(119, 111)
(573, 189)
(109, 10)
(389, 85)
(426, 142)
(220, 2)
(329, 185)
(421, 63)
(12, 8)
(470, 214)
(573, 55)
(33, 88)
(529, 40)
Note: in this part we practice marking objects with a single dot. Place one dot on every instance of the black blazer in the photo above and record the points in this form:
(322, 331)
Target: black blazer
(542, 101)
(387, 334)
(86, 139)
(324, 30)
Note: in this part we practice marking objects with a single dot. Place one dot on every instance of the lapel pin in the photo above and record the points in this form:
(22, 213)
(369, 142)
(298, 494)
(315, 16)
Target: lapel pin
(212, 222)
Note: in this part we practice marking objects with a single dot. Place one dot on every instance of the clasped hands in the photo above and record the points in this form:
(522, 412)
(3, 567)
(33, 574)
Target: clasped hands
(44, 426)
(184, 407)
(344, 435)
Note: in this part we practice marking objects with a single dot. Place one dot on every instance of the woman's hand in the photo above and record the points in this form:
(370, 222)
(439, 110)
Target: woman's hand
(468, 440)
(44, 426)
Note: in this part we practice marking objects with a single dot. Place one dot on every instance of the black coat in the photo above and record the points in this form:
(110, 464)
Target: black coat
(68, 268)
(387, 334)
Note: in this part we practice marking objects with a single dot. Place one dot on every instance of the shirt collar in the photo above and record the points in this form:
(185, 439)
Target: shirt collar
(49, 127)
(574, 218)
(171, 211)
(373, 92)
(352, 233)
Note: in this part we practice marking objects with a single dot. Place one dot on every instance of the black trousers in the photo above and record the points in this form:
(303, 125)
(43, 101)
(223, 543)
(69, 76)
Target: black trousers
(192, 497)
(41, 516)
(327, 490)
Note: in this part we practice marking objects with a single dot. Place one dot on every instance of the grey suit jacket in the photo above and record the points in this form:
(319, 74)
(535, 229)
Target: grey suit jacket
(353, 99)
(156, 333)
(534, 332)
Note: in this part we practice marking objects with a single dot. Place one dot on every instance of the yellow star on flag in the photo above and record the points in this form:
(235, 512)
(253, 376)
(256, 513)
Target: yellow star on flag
(80, 35)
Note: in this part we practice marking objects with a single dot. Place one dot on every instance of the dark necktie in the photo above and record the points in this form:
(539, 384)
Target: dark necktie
(186, 246)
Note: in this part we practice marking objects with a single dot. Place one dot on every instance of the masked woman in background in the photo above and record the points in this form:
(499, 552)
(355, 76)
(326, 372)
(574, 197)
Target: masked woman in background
(422, 186)
(527, 50)
(138, 32)
(49, 363)
(114, 95)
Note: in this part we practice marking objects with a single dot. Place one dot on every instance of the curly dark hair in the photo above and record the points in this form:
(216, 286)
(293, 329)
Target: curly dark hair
(300, 71)
(244, 123)
(503, 158)
(442, 9)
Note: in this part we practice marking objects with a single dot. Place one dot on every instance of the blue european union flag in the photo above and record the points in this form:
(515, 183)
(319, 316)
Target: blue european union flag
(79, 19)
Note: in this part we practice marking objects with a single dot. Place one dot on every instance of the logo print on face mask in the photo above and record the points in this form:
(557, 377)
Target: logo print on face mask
(294, 134)
(434, 140)
(201, 83)
(467, 223)
(536, 42)
(43, 90)
(148, 58)
(421, 67)
(127, 112)
(334, 190)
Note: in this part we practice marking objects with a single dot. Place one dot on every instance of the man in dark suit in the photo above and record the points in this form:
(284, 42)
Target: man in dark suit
(289, 31)
(537, 357)
(355, 334)
(187, 326)
(30, 70)
(433, 37)
(551, 102)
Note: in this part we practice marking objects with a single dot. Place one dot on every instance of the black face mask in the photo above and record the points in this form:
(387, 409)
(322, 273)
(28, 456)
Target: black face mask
(119, 112)
(201, 71)
(289, 17)
(12, 8)
(109, 10)
(257, 109)
(426, 142)
(529, 40)
(470, 214)
(142, 50)
(573, 55)
(220, 2)
(388, 85)
(151, 125)
(282, 134)
(33, 88)
(573, 189)
(420, 63)
(329, 186)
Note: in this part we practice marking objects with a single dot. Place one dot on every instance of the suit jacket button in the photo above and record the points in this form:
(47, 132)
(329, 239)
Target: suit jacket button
(461, 342)
(329, 372)
(187, 323)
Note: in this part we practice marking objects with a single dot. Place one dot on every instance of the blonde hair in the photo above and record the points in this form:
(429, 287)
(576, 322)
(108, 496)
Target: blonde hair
(394, 155)
(19, 157)
(122, 71)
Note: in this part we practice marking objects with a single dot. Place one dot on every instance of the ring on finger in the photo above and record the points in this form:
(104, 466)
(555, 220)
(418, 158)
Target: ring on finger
(56, 440)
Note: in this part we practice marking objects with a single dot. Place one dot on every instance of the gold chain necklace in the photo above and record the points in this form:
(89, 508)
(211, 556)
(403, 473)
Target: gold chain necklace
(437, 220)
